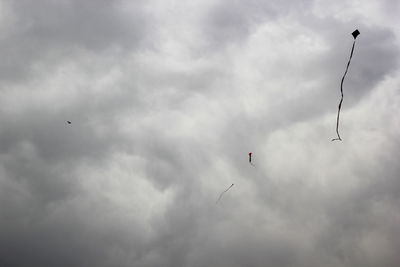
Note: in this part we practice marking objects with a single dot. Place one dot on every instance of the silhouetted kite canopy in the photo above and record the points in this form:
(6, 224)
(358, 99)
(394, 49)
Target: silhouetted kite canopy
(251, 163)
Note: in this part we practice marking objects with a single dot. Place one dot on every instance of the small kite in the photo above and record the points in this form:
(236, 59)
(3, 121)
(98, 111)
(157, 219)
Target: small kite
(69, 122)
(220, 196)
(355, 34)
(251, 163)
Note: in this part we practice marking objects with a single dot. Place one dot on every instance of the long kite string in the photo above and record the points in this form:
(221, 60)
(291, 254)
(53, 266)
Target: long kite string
(341, 91)
(220, 196)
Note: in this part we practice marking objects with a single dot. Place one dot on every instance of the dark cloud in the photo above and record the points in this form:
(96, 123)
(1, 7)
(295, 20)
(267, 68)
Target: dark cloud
(50, 30)
(166, 101)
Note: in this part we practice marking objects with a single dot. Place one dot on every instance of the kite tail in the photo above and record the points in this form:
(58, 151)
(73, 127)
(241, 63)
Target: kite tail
(216, 202)
(220, 196)
(341, 92)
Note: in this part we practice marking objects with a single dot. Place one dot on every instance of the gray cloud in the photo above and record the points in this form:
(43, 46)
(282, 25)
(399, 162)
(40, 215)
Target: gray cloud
(233, 21)
(166, 99)
(51, 30)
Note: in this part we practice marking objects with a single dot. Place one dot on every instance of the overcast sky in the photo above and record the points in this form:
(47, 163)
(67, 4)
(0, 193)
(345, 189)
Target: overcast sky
(166, 100)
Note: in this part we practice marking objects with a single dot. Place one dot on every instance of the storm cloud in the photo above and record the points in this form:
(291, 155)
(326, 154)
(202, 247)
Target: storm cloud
(166, 100)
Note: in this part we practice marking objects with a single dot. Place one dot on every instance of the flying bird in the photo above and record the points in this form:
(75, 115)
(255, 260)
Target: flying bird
(220, 196)
(355, 34)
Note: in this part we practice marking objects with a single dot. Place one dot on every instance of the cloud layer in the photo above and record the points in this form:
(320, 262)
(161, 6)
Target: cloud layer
(166, 99)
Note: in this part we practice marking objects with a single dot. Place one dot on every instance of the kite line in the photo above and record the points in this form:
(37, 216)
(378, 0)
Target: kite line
(355, 34)
(220, 196)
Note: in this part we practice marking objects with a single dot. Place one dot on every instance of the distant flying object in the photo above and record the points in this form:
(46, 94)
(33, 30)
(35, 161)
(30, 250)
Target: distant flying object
(250, 159)
(220, 196)
(355, 34)
(69, 122)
